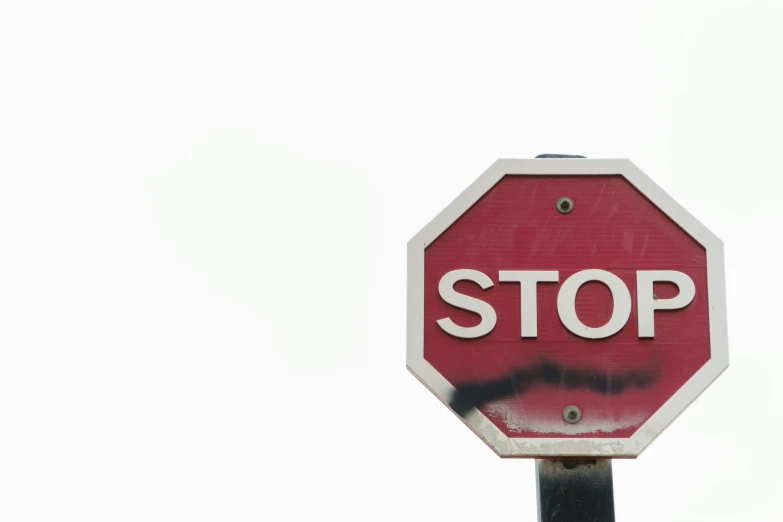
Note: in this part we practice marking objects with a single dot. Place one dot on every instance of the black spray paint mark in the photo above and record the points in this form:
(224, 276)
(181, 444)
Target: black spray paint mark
(475, 395)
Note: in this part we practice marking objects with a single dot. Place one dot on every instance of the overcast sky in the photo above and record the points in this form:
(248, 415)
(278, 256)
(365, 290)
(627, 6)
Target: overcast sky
(204, 210)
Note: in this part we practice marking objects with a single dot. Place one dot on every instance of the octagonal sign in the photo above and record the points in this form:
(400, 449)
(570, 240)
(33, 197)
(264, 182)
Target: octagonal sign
(566, 307)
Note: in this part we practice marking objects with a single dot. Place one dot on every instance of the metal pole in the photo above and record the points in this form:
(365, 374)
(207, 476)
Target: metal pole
(575, 490)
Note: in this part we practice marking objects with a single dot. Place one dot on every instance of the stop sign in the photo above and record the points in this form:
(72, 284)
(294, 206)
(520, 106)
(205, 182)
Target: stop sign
(566, 307)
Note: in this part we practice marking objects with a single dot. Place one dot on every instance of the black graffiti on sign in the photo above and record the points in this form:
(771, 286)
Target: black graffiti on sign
(477, 394)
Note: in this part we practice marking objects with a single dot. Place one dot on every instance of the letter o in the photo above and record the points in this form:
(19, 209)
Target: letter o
(566, 304)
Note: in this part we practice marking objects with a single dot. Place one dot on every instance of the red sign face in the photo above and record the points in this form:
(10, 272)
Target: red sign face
(565, 307)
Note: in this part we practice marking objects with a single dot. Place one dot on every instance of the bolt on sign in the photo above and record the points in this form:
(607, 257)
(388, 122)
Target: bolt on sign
(566, 307)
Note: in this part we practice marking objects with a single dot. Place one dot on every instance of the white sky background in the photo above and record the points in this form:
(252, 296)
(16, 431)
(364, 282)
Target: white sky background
(204, 209)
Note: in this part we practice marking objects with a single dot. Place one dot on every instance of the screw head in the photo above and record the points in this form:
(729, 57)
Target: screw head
(572, 414)
(565, 205)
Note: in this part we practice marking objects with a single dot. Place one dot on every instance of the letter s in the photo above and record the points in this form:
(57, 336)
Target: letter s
(446, 290)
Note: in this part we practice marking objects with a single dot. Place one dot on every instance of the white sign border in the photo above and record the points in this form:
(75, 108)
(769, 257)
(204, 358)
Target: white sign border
(570, 447)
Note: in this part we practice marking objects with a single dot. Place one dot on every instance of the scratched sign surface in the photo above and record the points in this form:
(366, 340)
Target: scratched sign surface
(524, 308)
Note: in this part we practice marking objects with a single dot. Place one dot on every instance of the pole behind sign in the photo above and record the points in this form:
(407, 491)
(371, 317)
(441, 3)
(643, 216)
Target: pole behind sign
(574, 490)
